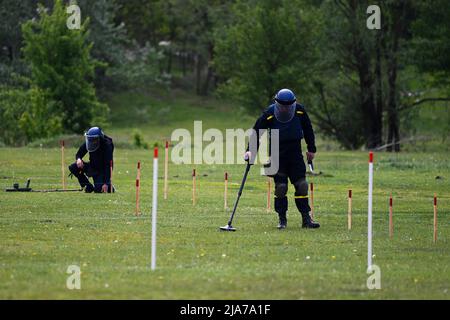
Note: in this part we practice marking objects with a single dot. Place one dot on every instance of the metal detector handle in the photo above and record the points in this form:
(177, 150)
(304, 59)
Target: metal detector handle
(247, 169)
(311, 166)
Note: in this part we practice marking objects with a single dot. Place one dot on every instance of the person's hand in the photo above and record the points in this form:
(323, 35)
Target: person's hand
(310, 156)
(247, 156)
(80, 164)
(105, 188)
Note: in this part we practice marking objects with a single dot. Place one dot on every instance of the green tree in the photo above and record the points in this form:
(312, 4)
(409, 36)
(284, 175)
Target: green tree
(267, 46)
(62, 68)
(431, 38)
(109, 39)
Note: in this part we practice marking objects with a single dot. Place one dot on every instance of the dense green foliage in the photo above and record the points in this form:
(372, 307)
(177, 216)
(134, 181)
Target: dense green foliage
(362, 87)
(62, 68)
(266, 47)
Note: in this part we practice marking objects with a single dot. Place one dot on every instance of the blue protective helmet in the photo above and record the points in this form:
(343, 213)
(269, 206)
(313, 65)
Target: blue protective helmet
(285, 102)
(93, 138)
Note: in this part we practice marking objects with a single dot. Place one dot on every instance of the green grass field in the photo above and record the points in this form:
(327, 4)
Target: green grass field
(44, 233)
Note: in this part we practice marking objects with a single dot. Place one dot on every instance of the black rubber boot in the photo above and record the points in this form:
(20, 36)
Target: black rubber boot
(89, 188)
(308, 223)
(282, 221)
(281, 205)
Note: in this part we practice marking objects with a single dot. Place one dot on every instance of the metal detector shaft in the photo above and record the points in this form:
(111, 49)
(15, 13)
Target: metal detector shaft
(247, 169)
(58, 190)
(16, 188)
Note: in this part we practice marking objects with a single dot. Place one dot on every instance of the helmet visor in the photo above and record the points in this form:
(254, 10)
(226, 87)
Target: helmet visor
(284, 113)
(92, 143)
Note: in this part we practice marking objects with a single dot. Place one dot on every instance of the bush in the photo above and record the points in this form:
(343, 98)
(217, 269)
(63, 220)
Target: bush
(26, 116)
(138, 140)
(14, 104)
(63, 69)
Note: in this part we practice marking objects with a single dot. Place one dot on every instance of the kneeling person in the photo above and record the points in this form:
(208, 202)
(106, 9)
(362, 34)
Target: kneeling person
(100, 148)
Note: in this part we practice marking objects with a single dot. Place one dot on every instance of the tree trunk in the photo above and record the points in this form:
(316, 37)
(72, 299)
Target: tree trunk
(184, 57)
(379, 86)
(393, 120)
(209, 72)
(169, 61)
(10, 53)
(398, 24)
(198, 73)
(371, 117)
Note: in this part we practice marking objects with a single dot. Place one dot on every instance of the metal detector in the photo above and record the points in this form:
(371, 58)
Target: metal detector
(229, 227)
(16, 188)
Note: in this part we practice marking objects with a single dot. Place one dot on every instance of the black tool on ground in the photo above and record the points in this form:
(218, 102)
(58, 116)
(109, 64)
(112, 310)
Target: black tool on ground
(229, 227)
(16, 188)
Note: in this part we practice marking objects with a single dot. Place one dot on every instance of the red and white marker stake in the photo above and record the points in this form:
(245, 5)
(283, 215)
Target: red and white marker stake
(111, 176)
(166, 169)
(435, 220)
(225, 196)
(349, 216)
(193, 186)
(369, 214)
(269, 194)
(63, 165)
(138, 188)
(312, 200)
(391, 221)
(154, 206)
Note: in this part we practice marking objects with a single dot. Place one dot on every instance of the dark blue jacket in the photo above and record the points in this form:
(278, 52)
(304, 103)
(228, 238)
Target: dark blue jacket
(99, 160)
(293, 131)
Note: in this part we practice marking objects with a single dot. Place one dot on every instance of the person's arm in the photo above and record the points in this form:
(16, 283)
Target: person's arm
(81, 152)
(260, 124)
(308, 132)
(108, 156)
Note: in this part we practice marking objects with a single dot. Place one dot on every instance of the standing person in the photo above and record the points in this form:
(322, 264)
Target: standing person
(293, 123)
(100, 148)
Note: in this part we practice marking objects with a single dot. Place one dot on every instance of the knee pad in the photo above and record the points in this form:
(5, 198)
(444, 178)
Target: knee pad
(281, 190)
(301, 187)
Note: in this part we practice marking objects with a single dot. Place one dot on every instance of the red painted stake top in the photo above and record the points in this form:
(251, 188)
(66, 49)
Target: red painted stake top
(312, 186)
(390, 201)
(435, 200)
(226, 175)
(139, 165)
(62, 143)
(167, 144)
(371, 157)
(137, 182)
(155, 153)
(193, 172)
(350, 193)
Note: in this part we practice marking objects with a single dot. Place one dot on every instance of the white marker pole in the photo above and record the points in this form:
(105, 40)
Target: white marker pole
(369, 214)
(154, 206)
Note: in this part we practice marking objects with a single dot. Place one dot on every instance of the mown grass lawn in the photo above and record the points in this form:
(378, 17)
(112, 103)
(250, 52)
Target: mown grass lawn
(43, 233)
